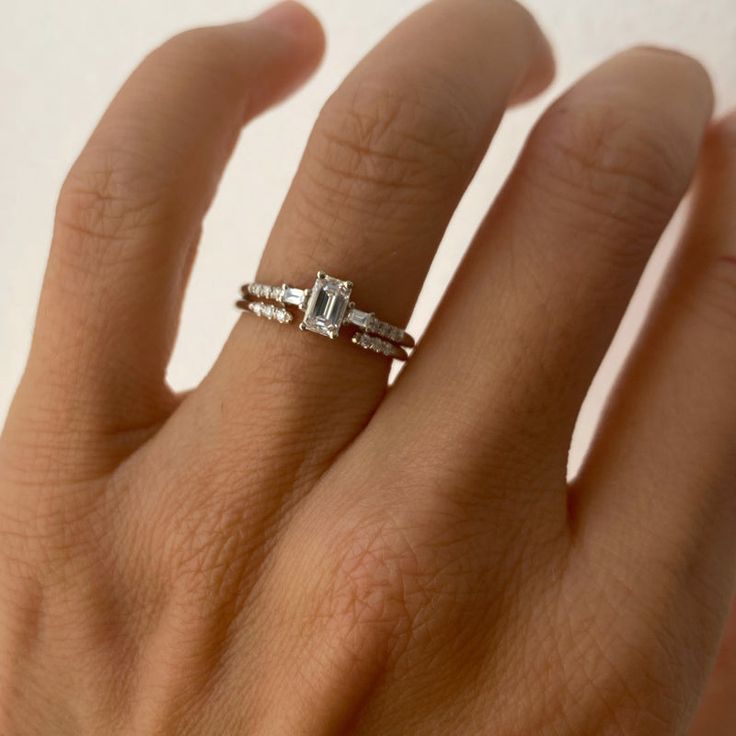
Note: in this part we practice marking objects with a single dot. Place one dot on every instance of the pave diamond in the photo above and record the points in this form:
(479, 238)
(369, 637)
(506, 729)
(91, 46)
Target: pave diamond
(270, 311)
(371, 342)
(265, 291)
(328, 301)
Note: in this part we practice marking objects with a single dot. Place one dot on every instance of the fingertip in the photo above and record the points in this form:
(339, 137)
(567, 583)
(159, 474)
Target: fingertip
(541, 72)
(691, 69)
(539, 77)
(279, 50)
(298, 23)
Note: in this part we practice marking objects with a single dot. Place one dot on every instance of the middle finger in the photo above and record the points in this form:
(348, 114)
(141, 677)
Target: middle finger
(537, 300)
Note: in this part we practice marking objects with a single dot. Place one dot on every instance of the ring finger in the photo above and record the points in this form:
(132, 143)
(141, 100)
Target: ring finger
(389, 158)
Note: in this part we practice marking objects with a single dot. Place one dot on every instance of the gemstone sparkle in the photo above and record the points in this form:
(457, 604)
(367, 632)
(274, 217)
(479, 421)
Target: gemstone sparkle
(328, 301)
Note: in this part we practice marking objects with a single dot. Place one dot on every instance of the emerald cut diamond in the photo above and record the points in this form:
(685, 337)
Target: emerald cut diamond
(328, 302)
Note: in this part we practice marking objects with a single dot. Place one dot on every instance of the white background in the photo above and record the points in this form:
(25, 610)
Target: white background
(61, 61)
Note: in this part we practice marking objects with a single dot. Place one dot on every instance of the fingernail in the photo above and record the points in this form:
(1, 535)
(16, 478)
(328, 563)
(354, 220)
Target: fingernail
(288, 16)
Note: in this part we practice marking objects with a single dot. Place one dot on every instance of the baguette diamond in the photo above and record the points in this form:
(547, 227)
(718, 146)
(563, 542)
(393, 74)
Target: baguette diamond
(327, 308)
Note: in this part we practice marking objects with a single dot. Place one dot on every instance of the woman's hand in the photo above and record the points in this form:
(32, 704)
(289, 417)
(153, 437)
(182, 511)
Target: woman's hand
(293, 549)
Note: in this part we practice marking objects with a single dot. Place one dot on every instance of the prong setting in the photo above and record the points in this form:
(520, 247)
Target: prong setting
(327, 305)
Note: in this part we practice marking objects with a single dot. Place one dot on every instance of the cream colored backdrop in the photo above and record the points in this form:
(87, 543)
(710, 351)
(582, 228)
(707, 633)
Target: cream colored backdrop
(60, 62)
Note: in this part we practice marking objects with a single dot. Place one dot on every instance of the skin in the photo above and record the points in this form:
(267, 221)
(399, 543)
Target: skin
(228, 561)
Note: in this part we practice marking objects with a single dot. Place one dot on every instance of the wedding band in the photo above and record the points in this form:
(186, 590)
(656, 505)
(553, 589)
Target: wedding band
(327, 308)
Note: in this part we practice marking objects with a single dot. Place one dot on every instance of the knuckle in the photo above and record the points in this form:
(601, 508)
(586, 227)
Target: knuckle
(109, 198)
(376, 586)
(395, 579)
(390, 139)
(627, 166)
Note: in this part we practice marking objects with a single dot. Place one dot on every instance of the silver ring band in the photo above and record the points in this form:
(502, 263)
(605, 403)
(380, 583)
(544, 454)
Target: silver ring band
(327, 308)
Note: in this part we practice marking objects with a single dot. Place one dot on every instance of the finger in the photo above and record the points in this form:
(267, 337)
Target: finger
(658, 485)
(390, 156)
(130, 212)
(517, 339)
(717, 710)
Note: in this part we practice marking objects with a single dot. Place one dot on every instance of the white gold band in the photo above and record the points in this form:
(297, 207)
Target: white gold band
(327, 307)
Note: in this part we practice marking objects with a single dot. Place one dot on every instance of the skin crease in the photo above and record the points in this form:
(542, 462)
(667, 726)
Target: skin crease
(305, 551)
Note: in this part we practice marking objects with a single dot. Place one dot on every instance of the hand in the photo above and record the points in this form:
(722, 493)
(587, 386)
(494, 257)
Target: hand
(291, 548)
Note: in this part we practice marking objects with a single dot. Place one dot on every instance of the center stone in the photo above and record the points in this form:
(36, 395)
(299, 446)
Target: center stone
(328, 302)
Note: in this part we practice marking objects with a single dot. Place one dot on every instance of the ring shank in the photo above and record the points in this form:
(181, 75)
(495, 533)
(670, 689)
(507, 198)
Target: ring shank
(373, 334)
